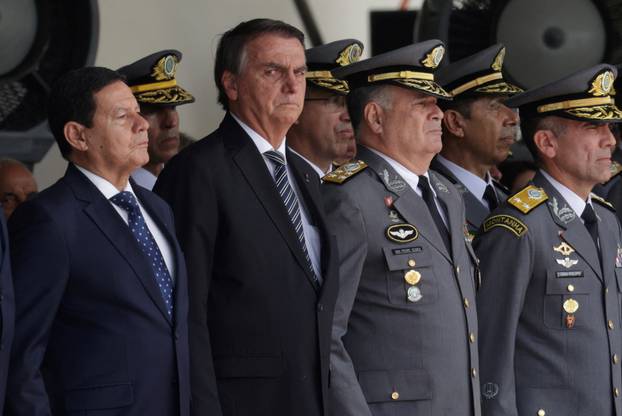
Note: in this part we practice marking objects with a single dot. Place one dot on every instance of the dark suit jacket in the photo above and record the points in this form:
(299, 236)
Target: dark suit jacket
(92, 332)
(259, 329)
(7, 309)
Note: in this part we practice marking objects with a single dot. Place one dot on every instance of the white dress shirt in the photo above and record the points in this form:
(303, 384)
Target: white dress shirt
(475, 184)
(311, 233)
(109, 190)
(412, 179)
(144, 178)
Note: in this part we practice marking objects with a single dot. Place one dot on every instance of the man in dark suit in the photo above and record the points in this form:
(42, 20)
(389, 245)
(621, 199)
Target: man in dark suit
(100, 281)
(7, 309)
(260, 261)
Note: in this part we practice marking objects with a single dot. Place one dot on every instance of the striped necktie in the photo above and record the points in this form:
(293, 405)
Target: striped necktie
(291, 202)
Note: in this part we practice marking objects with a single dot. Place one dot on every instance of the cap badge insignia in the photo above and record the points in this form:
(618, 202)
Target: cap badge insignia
(165, 68)
(567, 262)
(497, 64)
(564, 249)
(434, 58)
(349, 55)
(402, 233)
(602, 84)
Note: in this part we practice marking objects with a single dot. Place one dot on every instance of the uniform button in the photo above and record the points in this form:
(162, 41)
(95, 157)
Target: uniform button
(457, 269)
(616, 392)
(466, 303)
(610, 324)
(615, 358)
(606, 290)
(570, 288)
(395, 395)
(473, 372)
(412, 263)
(472, 337)
(320, 307)
(541, 412)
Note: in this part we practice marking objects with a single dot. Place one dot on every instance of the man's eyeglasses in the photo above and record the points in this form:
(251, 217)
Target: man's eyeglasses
(334, 103)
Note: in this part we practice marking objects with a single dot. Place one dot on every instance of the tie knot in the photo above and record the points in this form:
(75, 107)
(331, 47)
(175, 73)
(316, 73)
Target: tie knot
(424, 184)
(588, 216)
(276, 157)
(125, 200)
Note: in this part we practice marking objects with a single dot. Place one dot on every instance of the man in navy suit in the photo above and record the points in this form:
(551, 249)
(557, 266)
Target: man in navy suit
(7, 309)
(100, 281)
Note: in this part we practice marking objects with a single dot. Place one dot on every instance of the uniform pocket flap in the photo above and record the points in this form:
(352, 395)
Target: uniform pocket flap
(402, 258)
(100, 397)
(390, 386)
(560, 285)
(248, 367)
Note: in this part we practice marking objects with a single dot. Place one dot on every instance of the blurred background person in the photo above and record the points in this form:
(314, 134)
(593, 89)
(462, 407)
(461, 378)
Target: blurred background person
(17, 184)
(152, 80)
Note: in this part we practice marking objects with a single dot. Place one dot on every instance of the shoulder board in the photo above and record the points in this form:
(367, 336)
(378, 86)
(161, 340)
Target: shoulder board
(508, 222)
(345, 172)
(602, 201)
(528, 198)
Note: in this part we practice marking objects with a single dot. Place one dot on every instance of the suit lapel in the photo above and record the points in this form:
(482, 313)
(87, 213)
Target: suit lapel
(454, 217)
(573, 230)
(252, 166)
(406, 201)
(117, 232)
(608, 244)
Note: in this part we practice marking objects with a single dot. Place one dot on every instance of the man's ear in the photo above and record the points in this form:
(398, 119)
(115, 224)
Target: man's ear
(546, 142)
(75, 134)
(454, 123)
(374, 116)
(230, 84)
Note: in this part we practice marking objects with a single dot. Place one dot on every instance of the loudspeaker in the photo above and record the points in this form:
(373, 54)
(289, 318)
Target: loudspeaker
(41, 40)
(545, 39)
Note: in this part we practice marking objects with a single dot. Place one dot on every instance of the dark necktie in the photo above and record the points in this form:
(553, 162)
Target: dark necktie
(291, 202)
(490, 196)
(148, 245)
(591, 222)
(428, 197)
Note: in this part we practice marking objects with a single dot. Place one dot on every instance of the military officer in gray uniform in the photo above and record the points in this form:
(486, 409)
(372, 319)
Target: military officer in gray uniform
(551, 263)
(323, 132)
(405, 328)
(478, 130)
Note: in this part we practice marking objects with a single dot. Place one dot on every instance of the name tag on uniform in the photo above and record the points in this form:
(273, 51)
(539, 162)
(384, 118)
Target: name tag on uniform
(407, 250)
(575, 273)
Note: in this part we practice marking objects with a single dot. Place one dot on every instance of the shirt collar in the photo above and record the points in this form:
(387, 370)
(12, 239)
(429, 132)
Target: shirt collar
(261, 143)
(574, 200)
(103, 185)
(475, 184)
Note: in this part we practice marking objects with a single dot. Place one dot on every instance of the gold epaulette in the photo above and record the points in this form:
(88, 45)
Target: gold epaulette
(345, 172)
(528, 198)
(602, 201)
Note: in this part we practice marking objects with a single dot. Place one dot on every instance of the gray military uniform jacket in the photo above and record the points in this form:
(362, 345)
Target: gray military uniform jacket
(476, 212)
(399, 352)
(539, 264)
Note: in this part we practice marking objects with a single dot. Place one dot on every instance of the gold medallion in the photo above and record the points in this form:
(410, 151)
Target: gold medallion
(434, 58)
(412, 277)
(602, 84)
(571, 306)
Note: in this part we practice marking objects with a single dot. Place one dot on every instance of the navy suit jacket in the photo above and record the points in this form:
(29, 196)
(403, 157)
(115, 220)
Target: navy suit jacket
(7, 309)
(92, 333)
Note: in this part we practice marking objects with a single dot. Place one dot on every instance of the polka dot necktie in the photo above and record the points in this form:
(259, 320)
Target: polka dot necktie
(291, 203)
(147, 243)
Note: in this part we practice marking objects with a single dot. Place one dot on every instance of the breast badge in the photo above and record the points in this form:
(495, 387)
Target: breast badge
(570, 307)
(402, 233)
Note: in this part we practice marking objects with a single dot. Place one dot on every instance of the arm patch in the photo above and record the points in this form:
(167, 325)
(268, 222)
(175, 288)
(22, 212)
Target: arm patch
(506, 221)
